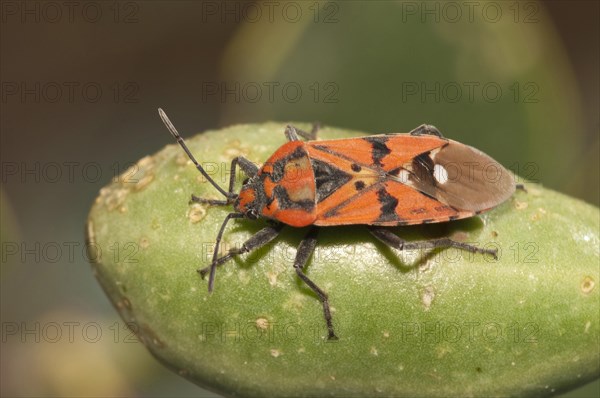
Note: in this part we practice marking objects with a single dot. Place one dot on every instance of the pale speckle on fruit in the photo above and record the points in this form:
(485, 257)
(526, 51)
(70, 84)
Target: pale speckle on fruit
(155, 224)
(533, 191)
(124, 303)
(275, 352)
(234, 148)
(442, 351)
(144, 182)
(182, 159)
(272, 277)
(147, 162)
(587, 327)
(520, 205)
(231, 153)
(113, 197)
(262, 323)
(538, 214)
(196, 212)
(427, 297)
(386, 334)
(374, 351)
(295, 302)
(144, 242)
(136, 177)
(243, 277)
(587, 285)
(140, 174)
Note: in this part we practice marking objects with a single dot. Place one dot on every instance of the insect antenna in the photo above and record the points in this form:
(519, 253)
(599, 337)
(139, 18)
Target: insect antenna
(181, 142)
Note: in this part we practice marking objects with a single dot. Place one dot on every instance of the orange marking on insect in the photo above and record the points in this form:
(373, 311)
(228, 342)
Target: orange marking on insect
(269, 186)
(416, 207)
(404, 148)
(246, 197)
(295, 217)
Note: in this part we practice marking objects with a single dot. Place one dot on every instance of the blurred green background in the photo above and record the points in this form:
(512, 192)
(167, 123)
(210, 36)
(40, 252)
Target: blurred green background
(80, 85)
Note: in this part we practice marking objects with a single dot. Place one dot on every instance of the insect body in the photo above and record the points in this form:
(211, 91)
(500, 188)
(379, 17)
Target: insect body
(379, 181)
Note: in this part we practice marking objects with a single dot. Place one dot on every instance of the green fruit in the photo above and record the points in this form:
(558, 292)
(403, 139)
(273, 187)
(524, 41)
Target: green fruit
(441, 323)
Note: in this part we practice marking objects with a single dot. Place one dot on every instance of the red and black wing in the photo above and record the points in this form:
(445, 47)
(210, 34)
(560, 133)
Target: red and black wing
(402, 179)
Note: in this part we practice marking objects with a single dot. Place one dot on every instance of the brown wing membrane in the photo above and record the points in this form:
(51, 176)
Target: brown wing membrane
(472, 181)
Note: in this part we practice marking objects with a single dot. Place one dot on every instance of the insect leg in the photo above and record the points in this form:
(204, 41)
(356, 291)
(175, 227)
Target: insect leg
(394, 241)
(312, 135)
(292, 133)
(213, 266)
(305, 250)
(256, 241)
(426, 129)
(249, 168)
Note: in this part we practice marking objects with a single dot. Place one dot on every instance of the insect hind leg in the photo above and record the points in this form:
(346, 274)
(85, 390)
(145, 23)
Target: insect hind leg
(292, 133)
(395, 242)
(426, 129)
(305, 250)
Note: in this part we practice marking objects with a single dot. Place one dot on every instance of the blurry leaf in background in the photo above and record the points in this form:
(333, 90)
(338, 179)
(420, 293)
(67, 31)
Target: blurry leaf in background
(9, 229)
(499, 83)
(68, 353)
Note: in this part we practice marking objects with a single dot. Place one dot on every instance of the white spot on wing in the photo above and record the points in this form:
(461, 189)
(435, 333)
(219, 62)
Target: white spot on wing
(440, 173)
(403, 176)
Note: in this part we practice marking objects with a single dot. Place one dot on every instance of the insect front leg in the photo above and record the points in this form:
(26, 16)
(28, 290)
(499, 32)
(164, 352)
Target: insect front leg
(426, 129)
(249, 168)
(395, 242)
(255, 242)
(305, 250)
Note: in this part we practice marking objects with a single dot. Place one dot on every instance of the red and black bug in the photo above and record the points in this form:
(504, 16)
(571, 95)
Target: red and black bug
(379, 181)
